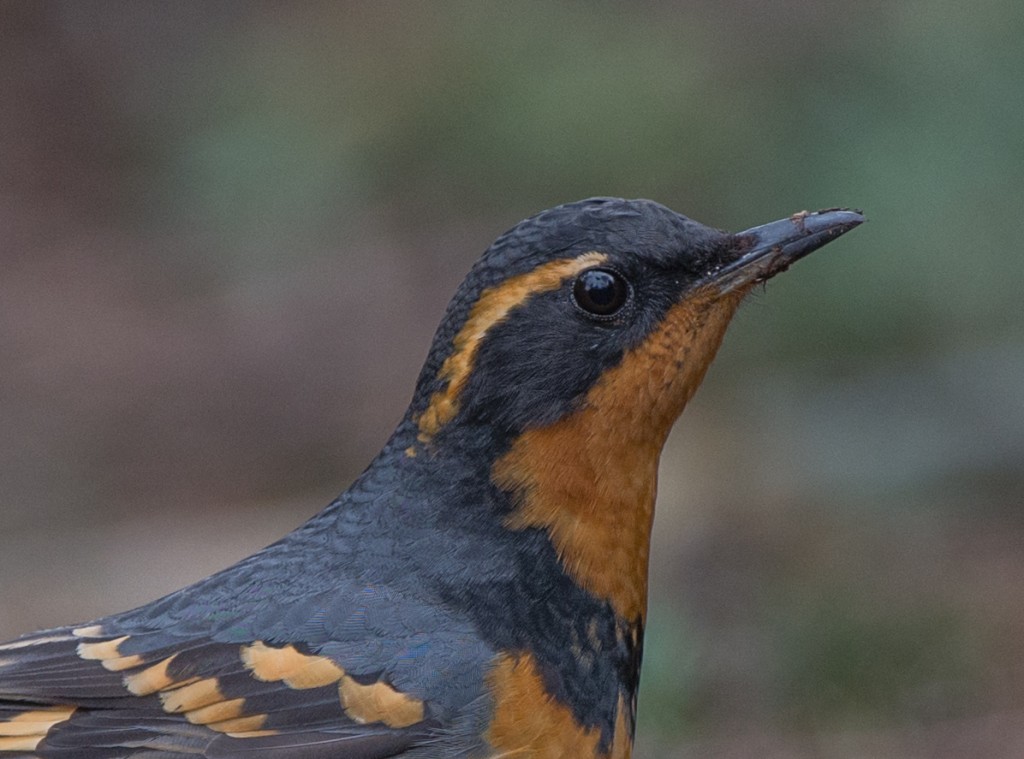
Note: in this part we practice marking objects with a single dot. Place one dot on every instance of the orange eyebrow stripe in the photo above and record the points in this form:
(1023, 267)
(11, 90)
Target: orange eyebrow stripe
(491, 308)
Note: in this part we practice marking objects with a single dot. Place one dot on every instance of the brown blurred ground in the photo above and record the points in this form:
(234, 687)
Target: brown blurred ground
(227, 232)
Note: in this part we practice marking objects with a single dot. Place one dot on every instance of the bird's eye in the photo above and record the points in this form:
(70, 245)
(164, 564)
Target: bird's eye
(601, 292)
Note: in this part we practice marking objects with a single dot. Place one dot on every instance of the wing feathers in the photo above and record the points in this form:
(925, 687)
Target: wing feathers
(90, 693)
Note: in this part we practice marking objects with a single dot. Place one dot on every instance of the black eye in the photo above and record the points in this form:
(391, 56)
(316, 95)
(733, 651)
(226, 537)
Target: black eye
(601, 292)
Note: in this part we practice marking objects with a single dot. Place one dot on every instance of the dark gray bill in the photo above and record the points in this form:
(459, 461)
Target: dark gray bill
(766, 250)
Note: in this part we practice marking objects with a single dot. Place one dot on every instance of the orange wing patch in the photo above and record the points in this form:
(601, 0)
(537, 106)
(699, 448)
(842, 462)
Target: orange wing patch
(294, 669)
(154, 678)
(106, 653)
(89, 631)
(192, 697)
(379, 702)
(493, 305)
(376, 702)
(26, 731)
(590, 478)
(202, 701)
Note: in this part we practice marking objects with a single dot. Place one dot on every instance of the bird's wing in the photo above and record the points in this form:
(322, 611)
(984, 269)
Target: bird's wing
(95, 692)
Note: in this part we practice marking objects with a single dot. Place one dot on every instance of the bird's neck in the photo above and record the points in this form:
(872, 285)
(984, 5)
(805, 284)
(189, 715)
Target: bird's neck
(590, 478)
(543, 534)
(595, 500)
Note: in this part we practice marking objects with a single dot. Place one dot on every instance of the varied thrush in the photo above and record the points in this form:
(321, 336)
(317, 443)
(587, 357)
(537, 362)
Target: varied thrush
(480, 590)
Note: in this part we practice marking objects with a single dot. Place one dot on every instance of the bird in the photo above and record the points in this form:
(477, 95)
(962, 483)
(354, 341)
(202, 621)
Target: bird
(480, 590)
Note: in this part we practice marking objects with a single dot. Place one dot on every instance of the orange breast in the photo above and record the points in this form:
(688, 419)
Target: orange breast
(529, 724)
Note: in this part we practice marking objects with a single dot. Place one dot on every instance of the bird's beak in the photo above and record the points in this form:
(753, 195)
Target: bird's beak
(764, 251)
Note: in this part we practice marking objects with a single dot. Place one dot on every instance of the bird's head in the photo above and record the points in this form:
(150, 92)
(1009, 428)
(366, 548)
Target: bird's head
(581, 289)
(570, 349)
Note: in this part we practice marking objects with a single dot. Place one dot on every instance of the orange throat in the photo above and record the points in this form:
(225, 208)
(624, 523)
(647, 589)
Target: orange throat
(590, 478)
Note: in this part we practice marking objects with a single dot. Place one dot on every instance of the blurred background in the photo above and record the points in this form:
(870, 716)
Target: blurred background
(227, 231)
